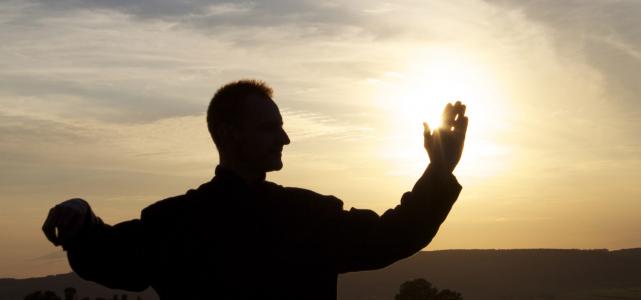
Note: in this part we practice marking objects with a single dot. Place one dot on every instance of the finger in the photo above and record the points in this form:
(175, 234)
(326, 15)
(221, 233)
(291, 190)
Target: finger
(459, 110)
(447, 118)
(437, 144)
(427, 135)
(426, 129)
(460, 114)
(461, 127)
(49, 227)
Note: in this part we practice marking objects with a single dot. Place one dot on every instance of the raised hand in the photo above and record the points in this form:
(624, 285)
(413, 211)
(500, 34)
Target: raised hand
(445, 145)
(66, 220)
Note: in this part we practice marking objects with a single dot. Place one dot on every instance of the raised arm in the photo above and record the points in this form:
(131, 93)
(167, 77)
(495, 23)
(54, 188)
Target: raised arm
(367, 241)
(109, 255)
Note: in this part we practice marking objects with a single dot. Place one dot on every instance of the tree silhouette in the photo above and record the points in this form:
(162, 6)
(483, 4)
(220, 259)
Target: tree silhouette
(40, 295)
(448, 295)
(70, 293)
(421, 289)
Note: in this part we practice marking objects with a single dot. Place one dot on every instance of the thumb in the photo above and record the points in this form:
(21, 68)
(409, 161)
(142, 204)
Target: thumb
(427, 135)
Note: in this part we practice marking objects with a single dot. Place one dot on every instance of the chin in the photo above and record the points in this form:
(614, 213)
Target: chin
(275, 166)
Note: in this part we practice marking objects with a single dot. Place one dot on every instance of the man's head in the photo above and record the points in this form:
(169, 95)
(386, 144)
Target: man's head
(246, 126)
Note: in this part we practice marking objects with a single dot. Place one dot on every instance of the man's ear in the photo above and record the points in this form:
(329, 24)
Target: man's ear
(227, 133)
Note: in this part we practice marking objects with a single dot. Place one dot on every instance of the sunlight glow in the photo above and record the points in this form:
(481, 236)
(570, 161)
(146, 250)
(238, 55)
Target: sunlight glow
(419, 94)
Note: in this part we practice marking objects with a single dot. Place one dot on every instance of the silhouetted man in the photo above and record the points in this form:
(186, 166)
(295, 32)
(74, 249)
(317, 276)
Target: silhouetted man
(241, 237)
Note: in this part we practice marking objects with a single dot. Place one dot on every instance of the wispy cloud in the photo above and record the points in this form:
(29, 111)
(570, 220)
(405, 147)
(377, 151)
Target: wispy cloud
(107, 99)
(209, 16)
(604, 34)
(303, 125)
(56, 256)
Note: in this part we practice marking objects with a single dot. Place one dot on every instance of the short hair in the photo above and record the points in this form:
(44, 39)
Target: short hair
(226, 107)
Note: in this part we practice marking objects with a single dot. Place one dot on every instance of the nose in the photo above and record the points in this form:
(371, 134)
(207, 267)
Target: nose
(284, 137)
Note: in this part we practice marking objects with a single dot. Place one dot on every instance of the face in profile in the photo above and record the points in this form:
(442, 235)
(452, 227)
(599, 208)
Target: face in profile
(261, 136)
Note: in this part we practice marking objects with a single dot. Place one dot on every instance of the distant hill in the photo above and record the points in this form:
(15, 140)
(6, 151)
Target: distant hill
(477, 274)
(508, 274)
(17, 289)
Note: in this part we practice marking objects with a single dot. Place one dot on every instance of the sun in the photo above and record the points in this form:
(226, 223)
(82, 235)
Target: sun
(419, 93)
(439, 77)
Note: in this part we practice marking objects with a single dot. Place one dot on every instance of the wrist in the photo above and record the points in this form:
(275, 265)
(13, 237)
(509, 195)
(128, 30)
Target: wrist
(438, 170)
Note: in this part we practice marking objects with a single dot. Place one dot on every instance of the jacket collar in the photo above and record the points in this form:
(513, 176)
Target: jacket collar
(227, 176)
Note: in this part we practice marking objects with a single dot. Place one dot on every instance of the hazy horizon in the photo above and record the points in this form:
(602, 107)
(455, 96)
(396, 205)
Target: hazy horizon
(106, 100)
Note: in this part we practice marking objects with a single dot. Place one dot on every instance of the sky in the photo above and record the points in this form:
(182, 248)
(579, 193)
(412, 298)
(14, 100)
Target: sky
(105, 100)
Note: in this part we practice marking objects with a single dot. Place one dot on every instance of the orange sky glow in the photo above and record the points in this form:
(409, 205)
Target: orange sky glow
(107, 102)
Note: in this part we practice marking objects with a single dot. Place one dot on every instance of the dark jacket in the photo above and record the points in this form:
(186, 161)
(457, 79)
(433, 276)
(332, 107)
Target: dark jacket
(229, 240)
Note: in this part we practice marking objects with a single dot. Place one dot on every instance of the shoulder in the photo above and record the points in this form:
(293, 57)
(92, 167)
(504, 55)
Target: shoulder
(168, 208)
(163, 208)
(177, 205)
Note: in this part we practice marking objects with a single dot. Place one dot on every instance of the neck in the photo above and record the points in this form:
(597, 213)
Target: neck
(248, 175)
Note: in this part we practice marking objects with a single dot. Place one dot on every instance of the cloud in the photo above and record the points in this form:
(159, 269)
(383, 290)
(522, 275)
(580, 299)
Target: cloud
(300, 19)
(175, 144)
(604, 34)
(140, 62)
(51, 257)
(208, 15)
(303, 125)
(81, 66)
(70, 96)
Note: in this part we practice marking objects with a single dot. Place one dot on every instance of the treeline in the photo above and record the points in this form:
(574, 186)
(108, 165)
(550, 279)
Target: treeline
(71, 293)
(421, 289)
(417, 289)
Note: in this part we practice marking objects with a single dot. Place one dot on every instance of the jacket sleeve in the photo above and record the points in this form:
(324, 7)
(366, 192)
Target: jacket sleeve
(112, 256)
(367, 241)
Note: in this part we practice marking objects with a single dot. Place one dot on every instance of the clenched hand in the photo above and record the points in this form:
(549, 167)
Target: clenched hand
(66, 220)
